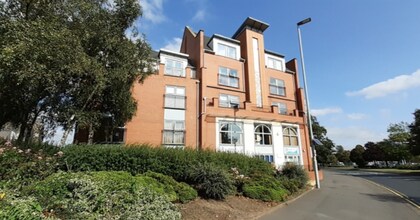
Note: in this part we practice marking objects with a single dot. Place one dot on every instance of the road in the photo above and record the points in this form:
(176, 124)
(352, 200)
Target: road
(405, 184)
(346, 197)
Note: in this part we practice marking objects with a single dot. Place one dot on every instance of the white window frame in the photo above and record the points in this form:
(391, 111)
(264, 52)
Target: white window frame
(262, 134)
(178, 97)
(222, 51)
(278, 85)
(289, 136)
(274, 62)
(174, 67)
(231, 100)
(171, 129)
(231, 132)
(231, 75)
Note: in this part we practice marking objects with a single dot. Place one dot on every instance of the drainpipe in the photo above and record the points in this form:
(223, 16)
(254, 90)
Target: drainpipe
(198, 115)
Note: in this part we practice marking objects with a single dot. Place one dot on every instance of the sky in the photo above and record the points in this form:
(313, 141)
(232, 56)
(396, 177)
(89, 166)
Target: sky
(362, 57)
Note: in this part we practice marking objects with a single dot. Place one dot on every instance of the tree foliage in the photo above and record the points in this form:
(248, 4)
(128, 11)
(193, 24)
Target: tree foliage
(414, 141)
(69, 61)
(356, 155)
(342, 155)
(325, 150)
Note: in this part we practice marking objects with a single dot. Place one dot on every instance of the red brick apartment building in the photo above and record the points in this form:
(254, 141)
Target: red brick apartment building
(225, 94)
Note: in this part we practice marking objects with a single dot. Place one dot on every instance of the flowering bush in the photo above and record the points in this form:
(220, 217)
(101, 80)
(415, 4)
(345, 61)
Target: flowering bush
(21, 166)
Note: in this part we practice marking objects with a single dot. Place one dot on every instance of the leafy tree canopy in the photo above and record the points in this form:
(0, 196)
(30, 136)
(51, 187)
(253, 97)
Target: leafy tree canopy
(326, 149)
(69, 61)
(414, 141)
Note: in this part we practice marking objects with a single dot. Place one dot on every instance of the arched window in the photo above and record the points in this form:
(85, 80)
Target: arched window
(231, 133)
(290, 137)
(263, 134)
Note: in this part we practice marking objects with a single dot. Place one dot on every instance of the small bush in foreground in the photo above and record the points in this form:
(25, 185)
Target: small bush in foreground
(296, 173)
(266, 188)
(103, 195)
(14, 206)
(211, 181)
(183, 191)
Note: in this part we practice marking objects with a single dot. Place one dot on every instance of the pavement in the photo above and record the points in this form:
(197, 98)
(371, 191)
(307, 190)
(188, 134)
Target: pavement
(346, 197)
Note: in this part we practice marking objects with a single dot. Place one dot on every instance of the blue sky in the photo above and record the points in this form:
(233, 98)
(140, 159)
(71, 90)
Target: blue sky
(362, 56)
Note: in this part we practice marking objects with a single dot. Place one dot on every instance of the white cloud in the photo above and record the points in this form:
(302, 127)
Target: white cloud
(325, 111)
(390, 86)
(349, 137)
(174, 44)
(199, 15)
(153, 10)
(356, 116)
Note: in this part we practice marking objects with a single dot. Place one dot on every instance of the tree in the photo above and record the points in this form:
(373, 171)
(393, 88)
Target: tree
(342, 155)
(356, 155)
(414, 141)
(326, 149)
(69, 62)
(399, 132)
(373, 152)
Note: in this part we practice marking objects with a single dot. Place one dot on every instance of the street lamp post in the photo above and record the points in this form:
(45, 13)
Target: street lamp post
(308, 114)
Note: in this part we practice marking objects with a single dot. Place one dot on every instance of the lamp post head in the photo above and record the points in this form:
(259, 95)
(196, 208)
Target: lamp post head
(304, 21)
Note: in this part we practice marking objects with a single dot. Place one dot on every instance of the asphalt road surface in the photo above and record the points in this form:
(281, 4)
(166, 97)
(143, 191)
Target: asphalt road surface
(346, 197)
(405, 184)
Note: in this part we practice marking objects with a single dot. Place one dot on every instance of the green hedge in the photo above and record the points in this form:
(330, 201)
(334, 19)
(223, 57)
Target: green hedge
(143, 158)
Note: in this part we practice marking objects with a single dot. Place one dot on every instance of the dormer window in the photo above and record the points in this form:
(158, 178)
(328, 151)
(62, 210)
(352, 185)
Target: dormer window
(174, 68)
(175, 63)
(274, 61)
(224, 46)
(225, 50)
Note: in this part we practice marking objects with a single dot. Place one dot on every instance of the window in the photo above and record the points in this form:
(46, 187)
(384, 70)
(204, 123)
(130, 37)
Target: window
(282, 107)
(277, 87)
(174, 68)
(274, 63)
(227, 51)
(228, 101)
(263, 134)
(175, 97)
(193, 74)
(292, 159)
(231, 133)
(290, 137)
(173, 132)
(268, 158)
(228, 77)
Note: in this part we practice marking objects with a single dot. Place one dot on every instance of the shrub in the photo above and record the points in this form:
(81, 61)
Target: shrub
(409, 166)
(103, 195)
(292, 185)
(295, 172)
(14, 206)
(140, 159)
(23, 166)
(266, 188)
(183, 191)
(211, 181)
